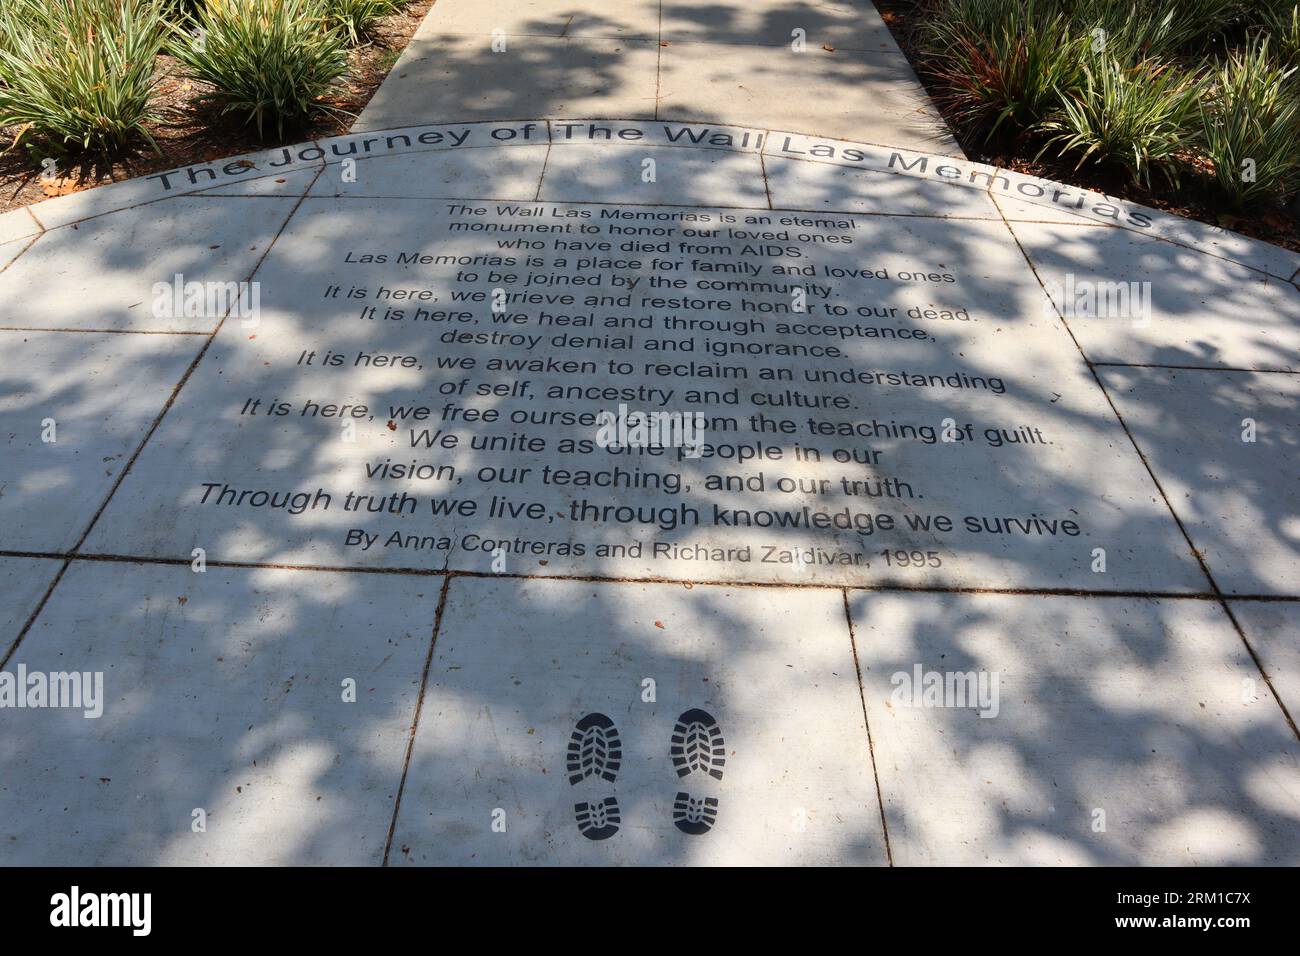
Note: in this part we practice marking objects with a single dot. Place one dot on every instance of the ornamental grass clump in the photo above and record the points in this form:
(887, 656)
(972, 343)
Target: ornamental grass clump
(1002, 66)
(1250, 126)
(1280, 22)
(270, 62)
(79, 74)
(1132, 31)
(358, 18)
(1139, 119)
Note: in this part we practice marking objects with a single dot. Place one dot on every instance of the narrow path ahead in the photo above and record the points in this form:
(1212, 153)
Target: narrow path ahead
(829, 67)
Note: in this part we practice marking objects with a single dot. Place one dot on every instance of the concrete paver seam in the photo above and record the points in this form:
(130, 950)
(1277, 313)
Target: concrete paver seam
(171, 399)
(1196, 553)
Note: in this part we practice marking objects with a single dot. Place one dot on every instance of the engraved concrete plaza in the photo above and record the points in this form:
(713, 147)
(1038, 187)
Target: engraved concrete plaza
(966, 530)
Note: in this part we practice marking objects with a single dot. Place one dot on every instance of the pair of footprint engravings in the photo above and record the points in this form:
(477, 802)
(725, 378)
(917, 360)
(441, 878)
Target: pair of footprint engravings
(596, 751)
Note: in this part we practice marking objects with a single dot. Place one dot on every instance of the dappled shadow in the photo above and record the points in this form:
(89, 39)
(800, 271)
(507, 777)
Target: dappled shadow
(73, 410)
(460, 78)
(714, 64)
(99, 274)
(518, 663)
(631, 19)
(1205, 311)
(1092, 684)
(1088, 474)
(223, 694)
(869, 97)
(1129, 732)
(23, 582)
(841, 25)
(1224, 446)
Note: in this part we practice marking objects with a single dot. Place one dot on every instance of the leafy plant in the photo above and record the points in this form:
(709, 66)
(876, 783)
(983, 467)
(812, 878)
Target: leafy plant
(1132, 31)
(176, 10)
(270, 61)
(357, 18)
(1250, 127)
(79, 74)
(1280, 22)
(1138, 118)
(1002, 63)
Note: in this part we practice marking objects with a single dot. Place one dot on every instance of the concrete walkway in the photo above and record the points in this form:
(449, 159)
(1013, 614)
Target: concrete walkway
(987, 553)
(741, 62)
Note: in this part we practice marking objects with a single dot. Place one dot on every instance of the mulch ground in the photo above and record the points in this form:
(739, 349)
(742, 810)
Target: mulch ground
(188, 133)
(1190, 198)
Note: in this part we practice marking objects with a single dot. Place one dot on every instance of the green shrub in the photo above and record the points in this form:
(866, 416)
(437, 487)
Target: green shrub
(78, 74)
(177, 10)
(1137, 118)
(357, 18)
(1250, 127)
(269, 61)
(1137, 30)
(1280, 22)
(1002, 63)
(1122, 30)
